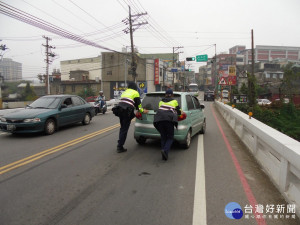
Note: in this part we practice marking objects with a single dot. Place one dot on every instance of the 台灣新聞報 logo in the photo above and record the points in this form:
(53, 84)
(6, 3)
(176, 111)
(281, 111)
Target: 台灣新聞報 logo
(233, 210)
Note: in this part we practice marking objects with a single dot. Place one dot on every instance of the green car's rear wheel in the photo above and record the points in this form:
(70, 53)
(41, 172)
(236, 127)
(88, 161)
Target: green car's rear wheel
(188, 138)
(202, 131)
(87, 119)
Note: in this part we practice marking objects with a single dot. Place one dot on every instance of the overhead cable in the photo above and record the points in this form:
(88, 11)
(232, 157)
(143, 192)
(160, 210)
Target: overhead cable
(37, 22)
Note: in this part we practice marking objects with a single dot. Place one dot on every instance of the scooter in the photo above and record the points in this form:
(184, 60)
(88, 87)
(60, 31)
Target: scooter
(99, 109)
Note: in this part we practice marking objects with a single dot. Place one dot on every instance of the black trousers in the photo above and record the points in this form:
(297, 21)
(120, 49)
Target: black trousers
(166, 130)
(125, 120)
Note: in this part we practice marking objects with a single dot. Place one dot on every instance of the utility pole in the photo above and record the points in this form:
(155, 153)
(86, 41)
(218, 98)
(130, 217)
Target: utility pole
(131, 29)
(2, 48)
(48, 61)
(251, 78)
(175, 49)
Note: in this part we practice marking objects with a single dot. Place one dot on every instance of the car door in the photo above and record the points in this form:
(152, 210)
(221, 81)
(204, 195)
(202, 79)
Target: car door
(79, 110)
(192, 114)
(200, 114)
(66, 115)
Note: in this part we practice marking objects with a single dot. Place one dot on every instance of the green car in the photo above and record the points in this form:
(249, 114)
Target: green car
(47, 114)
(190, 123)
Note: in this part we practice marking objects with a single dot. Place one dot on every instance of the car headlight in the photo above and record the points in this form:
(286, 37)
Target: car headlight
(33, 120)
(2, 119)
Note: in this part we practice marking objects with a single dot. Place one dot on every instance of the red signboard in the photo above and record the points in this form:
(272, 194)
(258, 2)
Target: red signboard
(232, 80)
(156, 71)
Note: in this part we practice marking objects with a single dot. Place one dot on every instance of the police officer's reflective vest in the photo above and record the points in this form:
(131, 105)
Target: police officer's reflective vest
(171, 105)
(128, 97)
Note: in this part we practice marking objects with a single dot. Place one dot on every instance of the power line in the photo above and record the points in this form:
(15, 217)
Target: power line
(50, 15)
(92, 17)
(37, 22)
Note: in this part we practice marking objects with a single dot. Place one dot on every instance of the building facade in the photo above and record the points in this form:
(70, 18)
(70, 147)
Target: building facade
(10, 70)
(266, 53)
(91, 65)
(116, 72)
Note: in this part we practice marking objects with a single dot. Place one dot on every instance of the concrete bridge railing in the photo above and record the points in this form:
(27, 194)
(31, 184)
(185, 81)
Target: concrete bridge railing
(277, 154)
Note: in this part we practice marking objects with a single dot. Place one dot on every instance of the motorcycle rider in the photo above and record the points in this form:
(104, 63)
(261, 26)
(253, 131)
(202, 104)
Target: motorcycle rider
(101, 99)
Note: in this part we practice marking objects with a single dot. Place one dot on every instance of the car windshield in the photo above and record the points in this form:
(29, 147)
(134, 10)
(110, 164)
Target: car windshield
(193, 88)
(151, 101)
(46, 102)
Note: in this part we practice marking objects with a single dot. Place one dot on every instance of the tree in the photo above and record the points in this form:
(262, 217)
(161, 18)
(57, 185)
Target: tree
(244, 89)
(251, 90)
(28, 93)
(86, 92)
(290, 83)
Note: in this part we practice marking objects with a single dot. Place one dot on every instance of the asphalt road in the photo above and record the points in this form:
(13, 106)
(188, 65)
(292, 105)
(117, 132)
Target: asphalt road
(76, 177)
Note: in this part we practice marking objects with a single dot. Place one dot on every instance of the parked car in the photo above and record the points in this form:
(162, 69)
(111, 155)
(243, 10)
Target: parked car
(191, 122)
(209, 95)
(284, 100)
(263, 101)
(91, 99)
(47, 114)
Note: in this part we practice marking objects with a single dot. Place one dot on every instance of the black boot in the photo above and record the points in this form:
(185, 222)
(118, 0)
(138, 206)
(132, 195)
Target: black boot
(121, 149)
(164, 155)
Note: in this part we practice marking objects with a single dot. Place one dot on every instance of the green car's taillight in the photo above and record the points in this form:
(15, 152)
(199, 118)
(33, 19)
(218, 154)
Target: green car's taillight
(182, 116)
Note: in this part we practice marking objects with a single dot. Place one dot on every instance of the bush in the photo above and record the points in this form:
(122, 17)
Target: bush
(282, 117)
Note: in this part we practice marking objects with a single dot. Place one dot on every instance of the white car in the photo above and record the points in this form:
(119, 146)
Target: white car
(263, 101)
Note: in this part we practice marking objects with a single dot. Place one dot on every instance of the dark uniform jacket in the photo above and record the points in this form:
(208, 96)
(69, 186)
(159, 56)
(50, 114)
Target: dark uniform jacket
(168, 111)
(130, 99)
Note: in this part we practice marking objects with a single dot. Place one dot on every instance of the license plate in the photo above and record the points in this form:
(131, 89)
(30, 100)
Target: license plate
(10, 127)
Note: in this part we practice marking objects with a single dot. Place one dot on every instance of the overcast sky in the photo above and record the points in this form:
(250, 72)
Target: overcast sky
(195, 25)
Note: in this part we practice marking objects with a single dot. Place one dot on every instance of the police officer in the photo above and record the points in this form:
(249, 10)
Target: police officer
(130, 99)
(164, 121)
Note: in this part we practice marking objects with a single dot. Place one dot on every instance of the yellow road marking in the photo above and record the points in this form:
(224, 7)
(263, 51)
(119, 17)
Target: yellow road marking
(44, 153)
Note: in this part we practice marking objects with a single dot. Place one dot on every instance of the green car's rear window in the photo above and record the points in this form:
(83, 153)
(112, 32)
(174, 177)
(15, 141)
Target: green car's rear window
(151, 101)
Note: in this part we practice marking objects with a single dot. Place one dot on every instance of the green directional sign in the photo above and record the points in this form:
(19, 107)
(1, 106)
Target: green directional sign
(201, 58)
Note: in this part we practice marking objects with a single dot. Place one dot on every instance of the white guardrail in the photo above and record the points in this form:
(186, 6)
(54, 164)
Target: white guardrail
(277, 154)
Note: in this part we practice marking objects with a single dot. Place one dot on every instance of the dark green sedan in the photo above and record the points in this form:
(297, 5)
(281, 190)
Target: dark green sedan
(47, 114)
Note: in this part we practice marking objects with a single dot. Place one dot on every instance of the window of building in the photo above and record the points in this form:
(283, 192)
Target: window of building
(267, 75)
(274, 75)
(109, 73)
(281, 76)
(73, 88)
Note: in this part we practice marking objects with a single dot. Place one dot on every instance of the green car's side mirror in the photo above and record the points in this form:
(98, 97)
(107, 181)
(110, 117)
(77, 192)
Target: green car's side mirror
(63, 106)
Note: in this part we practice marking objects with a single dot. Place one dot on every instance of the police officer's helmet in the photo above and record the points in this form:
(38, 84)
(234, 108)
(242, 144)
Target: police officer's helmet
(100, 92)
(132, 85)
(169, 92)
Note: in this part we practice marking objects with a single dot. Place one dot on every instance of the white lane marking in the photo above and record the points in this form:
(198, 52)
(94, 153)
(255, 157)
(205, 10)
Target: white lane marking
(199, 214)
